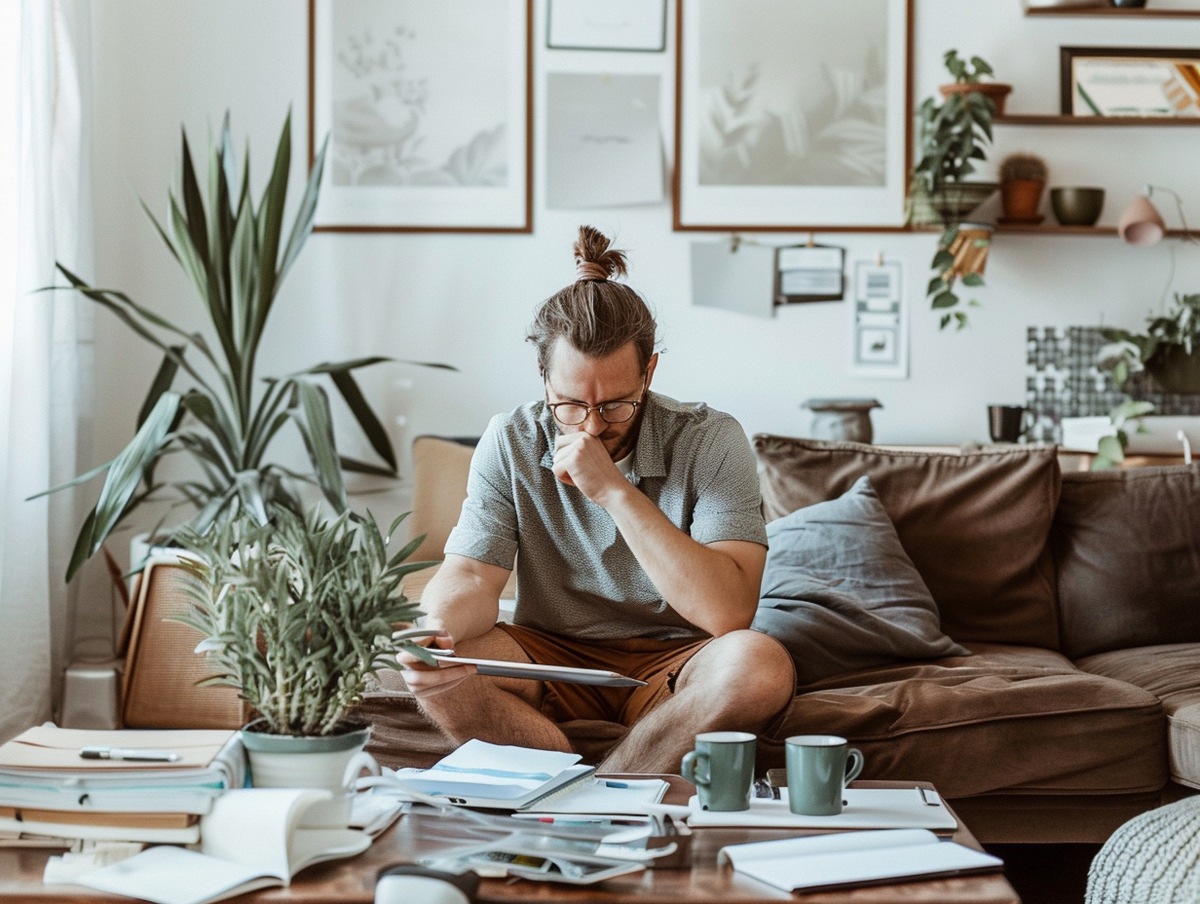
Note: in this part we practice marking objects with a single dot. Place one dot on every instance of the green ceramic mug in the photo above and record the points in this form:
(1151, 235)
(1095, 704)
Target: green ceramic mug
(722, 769)
(819, 767)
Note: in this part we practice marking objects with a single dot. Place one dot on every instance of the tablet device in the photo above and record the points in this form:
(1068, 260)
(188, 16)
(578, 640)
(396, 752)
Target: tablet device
(504, 669)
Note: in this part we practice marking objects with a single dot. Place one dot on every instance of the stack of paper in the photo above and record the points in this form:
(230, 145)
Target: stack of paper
(479, 774)
(47, 788)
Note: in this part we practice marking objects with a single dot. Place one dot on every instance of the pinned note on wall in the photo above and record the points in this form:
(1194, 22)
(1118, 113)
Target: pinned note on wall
(879, 320)
(736, 275)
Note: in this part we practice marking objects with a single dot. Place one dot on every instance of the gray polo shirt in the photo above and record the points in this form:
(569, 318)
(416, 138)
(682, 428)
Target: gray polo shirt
(576, 575)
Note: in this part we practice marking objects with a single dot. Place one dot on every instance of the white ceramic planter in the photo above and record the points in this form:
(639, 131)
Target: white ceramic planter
(332, 763)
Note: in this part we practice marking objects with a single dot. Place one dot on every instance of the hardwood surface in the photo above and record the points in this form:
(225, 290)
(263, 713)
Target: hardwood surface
(353, 881)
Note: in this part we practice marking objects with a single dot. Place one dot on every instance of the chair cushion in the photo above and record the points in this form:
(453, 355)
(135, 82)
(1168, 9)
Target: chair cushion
(974, 524)
(1127, 546)
(1170, 673)
(440, 466)
(1007, 719)
(840, 593)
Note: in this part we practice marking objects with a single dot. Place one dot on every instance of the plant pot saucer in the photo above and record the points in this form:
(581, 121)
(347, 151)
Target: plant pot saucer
(1020, 221)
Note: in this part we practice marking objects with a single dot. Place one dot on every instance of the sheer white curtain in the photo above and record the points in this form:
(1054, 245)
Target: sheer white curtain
(44, 339)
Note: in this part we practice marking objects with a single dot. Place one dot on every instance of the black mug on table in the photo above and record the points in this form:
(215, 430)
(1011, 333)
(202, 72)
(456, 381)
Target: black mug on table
(1006, 423)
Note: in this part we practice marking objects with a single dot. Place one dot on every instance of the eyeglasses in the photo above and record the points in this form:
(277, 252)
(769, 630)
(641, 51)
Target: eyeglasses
(572, 414)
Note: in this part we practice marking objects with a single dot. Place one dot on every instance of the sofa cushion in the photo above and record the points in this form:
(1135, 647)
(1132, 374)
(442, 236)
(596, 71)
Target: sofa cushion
(401, 735)
(1006, 719)
(1170, 673)
(840, 593)
(975, 524)
(1127, 548)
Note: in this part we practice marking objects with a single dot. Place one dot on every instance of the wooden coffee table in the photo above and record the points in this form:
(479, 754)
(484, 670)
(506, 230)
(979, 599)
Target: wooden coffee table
(353, 881)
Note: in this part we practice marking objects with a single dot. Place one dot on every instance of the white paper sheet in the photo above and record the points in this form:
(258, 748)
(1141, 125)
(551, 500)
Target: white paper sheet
(741, 279)
(603, 141)
(496, 764)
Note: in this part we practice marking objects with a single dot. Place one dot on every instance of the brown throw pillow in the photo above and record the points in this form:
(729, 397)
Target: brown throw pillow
(1127, 544)
(976, 525)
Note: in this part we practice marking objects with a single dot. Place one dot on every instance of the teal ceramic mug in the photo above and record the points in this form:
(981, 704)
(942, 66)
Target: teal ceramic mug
(819, 767)
(722, 769)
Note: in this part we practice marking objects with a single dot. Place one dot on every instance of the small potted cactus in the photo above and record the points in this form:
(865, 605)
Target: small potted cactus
(1022, 180)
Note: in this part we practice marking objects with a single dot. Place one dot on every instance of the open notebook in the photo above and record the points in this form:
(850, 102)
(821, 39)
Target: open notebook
(252, 839)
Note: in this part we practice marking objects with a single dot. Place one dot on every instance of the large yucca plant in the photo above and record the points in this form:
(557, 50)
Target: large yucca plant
(296, 613)
(235, 254)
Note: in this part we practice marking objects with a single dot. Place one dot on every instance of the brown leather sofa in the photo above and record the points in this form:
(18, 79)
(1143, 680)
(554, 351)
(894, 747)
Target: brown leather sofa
(1077, 595)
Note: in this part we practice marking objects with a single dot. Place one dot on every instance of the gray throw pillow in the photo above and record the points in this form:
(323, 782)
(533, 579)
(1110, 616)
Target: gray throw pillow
(840, 592)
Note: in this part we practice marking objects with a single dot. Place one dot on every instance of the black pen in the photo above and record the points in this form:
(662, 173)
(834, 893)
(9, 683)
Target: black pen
(127, 753)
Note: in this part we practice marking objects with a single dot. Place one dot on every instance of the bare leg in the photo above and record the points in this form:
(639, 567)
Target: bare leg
(738, 681)
(498, 710)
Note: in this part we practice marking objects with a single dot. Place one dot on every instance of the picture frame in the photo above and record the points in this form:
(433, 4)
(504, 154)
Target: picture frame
(753, 89)
(428, 128)
(809, 272)
(623, 25)
(1130, 82)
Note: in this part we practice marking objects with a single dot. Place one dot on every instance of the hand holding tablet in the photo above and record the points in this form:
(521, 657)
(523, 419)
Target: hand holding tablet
(504, 669)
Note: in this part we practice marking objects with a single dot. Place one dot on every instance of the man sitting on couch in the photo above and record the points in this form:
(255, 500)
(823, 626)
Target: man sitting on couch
(641, 541)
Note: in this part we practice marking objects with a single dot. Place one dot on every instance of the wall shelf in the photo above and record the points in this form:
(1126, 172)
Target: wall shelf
(1115, 12)
(1054, 229)
(1057, 119)
(1046, 229)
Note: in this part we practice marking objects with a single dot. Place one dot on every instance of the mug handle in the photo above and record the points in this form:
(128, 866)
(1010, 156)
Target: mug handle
(359, 763)
(688, 769)
(854, 765)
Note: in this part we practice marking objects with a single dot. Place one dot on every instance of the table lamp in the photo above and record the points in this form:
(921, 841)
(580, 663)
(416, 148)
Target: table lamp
(1142, 224)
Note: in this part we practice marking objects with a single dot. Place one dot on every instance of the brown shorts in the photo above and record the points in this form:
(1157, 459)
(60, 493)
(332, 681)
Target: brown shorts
(657, 662)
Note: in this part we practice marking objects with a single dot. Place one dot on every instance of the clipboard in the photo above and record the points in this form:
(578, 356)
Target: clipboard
(501, 668)
(865, 808)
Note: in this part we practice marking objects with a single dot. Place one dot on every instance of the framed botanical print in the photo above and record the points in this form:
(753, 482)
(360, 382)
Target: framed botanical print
(426, 108)
(792, 114)
(1142, 82)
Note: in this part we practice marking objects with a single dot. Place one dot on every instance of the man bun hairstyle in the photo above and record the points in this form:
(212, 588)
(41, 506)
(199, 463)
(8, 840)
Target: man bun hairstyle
(595, 314)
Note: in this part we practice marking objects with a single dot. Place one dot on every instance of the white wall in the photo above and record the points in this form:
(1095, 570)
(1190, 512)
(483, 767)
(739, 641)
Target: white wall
(467, 299)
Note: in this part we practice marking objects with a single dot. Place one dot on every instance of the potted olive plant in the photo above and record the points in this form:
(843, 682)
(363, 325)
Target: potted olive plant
(296, 614)
(954, 136)
(226, 415)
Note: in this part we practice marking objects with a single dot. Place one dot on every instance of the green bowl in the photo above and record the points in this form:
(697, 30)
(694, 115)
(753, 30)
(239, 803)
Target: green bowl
(1077, 206)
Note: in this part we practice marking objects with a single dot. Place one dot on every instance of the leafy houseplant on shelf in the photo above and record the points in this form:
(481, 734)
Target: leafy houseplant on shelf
(295, 614)
(235, 253)
(1168, 350)
(954, 137)
(972, 77)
